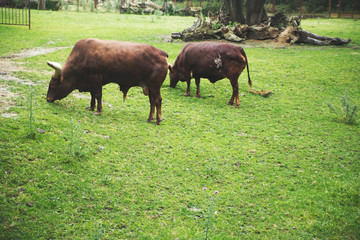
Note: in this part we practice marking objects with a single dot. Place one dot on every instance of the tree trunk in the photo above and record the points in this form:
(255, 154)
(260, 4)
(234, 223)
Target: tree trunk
(255, 12)
(297, 35)
(235, 10)
(41, 4)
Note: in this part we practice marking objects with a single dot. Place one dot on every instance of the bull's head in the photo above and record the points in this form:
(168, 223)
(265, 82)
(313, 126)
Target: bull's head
(174, 76)
(58, 88)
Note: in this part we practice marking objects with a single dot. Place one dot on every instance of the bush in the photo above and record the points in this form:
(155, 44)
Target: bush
(347, 112)
(210, 6)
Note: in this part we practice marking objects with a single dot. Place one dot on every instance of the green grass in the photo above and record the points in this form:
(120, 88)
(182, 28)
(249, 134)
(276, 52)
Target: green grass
(283, 167)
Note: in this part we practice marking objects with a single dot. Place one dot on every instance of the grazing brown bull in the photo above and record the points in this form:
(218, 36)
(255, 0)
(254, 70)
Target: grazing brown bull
(94, 63)
(213, 61)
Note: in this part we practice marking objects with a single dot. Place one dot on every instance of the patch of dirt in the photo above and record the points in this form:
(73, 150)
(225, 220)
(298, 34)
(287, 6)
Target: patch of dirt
(33, 52)
(6, 102)
(81, 95)
(7, 67)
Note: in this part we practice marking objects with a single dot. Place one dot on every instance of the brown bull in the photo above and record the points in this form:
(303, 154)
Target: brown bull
(94, 63)
(213, 61)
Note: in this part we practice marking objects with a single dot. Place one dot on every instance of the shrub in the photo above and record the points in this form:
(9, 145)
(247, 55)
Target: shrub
(347, 112)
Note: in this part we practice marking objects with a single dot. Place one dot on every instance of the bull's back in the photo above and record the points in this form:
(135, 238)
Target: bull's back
(116, 61)
(213, 60)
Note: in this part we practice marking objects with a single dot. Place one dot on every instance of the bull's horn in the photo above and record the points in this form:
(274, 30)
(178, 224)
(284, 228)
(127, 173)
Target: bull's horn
(57, 67)
(170, 67)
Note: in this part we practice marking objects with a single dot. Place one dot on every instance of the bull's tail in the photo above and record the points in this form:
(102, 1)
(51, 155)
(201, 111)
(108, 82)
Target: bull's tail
(247, 67)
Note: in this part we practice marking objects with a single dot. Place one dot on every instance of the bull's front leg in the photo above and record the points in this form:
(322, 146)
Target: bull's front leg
(92, 102)
(235, 94)
(187, 93)
(197, 81)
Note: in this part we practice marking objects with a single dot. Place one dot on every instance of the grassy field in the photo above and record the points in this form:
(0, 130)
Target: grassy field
(285, 167)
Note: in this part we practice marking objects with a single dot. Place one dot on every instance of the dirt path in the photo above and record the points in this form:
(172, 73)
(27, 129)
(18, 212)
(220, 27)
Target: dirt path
(7, 68)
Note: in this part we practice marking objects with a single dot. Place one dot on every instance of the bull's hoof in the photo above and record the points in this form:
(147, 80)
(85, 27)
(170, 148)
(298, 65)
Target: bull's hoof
(197, 95)
(187, 94)
(158, 121)
(90, 109)
(230, 103)
(97, 113)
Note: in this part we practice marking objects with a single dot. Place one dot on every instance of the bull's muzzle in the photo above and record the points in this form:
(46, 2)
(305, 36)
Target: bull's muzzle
(50, 100)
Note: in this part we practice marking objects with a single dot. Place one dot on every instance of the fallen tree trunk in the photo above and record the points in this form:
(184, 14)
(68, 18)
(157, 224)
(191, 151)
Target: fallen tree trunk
(141, 7)
(296, 35)
(262, 32)
(277, 28)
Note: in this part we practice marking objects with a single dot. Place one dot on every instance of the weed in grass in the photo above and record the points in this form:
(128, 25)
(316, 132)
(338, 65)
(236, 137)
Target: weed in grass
(98, 232)
(158, 14)
(31, 113)
(210, 169)
(210, 213)
(74, 138)
(347, 112)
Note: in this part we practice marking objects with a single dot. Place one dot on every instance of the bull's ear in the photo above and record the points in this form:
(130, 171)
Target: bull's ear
(170, 67)
(57, 67)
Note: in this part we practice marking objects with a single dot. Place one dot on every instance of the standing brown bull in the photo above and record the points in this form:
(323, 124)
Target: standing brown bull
(213, 61)
(94, 63)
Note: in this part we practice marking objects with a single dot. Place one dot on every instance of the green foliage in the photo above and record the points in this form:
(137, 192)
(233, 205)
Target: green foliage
(217, 25)
(92, 6)
(83, 4)
(108, 6)
(347, 112)
(232, 24)
(65, 5)
(210, 6)
(116, 5)
(283, 168)
(312, 6)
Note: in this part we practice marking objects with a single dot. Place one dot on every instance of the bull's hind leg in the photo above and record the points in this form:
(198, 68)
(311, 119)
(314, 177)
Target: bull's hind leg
(197, 81)
(235, 94)
(99, 102)
(187, 93)
(152, 107)
(155, 102)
